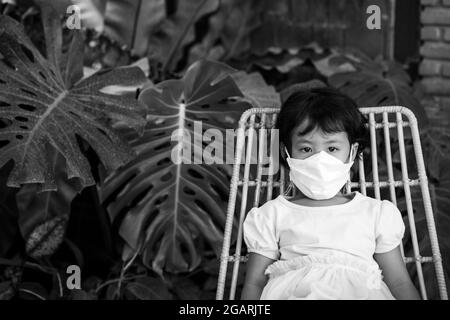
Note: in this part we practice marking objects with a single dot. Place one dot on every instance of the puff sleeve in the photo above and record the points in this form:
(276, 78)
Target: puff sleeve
(390, 228)
(260, 234)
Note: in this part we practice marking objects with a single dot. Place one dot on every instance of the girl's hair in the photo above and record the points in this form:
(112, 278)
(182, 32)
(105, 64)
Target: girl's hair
(325, 108)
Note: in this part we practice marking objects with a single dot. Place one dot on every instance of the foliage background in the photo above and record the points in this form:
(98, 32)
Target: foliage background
(139, 226)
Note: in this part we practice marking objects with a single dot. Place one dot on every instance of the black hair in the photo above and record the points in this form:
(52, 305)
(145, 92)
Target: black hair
(325, 108)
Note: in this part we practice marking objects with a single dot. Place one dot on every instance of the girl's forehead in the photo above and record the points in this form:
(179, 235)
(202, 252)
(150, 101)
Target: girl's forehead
(316, 134)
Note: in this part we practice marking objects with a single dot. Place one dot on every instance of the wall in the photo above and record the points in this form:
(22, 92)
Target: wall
(435, 66)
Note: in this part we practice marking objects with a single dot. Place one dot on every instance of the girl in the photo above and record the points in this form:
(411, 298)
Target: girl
(324, 244)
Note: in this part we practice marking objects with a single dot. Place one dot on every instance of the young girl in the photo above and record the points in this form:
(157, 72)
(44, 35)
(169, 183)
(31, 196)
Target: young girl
(324, 244)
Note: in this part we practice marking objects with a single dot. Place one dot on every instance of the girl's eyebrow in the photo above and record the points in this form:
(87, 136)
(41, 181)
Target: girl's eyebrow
(309, 141)
(334, 141)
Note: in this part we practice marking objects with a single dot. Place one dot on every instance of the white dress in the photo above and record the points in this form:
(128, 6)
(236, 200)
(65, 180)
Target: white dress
(324, 252)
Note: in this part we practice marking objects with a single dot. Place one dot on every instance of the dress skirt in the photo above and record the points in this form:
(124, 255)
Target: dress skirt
(325, 277)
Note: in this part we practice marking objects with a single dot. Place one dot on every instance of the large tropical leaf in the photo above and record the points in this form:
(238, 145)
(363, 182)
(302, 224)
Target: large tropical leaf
(131, 22)
(174, 206)
(41, 104)
(437, 160)
(256, 91)
(380, 84)
(177, 31)
(229, 30)
(437, 149)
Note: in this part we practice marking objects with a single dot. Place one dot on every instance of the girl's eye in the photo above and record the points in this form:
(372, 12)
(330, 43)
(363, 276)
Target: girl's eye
(332, 149)
(305, 149)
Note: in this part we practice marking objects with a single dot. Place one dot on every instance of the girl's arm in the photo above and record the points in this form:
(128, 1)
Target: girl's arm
(255, 280)
(396, 275)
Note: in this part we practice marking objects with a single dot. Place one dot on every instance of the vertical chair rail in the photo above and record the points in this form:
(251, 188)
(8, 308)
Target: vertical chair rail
(409, 209)
(362, 175)
(437, 259)
(281, 180)
(390, 171)
(224, 258)
(374, 154)
(261, 140)
(248, 158)
(271, 164)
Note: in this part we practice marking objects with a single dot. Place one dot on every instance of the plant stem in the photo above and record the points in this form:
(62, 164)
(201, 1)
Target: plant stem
(116, 280)
(123, 271)
(32, 293)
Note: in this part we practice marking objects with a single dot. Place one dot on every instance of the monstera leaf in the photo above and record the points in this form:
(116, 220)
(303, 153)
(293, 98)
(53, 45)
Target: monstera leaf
(152, 27)
(229, 30)
(174, 203)
(386, 85)
(256, 91)
(175, 32)
(131, 22)
(44, 102)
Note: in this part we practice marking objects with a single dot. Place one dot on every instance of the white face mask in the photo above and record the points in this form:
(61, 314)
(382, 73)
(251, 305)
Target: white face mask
(319, 176)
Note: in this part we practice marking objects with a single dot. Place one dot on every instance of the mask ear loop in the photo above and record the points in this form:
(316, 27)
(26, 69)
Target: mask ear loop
(348, 186)
(287, 153)
(291, 184)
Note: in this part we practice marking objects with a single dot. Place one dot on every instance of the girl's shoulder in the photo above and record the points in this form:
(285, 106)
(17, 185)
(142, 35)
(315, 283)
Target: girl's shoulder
(369, 200)
(377, 208)
(268, 206)
(378, 203)
(270, 209)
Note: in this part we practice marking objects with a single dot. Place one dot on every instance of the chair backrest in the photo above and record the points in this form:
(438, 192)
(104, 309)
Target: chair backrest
(397, 174)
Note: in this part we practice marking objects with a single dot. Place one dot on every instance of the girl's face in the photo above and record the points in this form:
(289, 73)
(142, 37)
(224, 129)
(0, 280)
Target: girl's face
(335, 144)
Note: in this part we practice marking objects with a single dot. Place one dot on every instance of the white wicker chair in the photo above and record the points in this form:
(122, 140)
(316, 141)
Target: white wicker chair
(249, 184)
